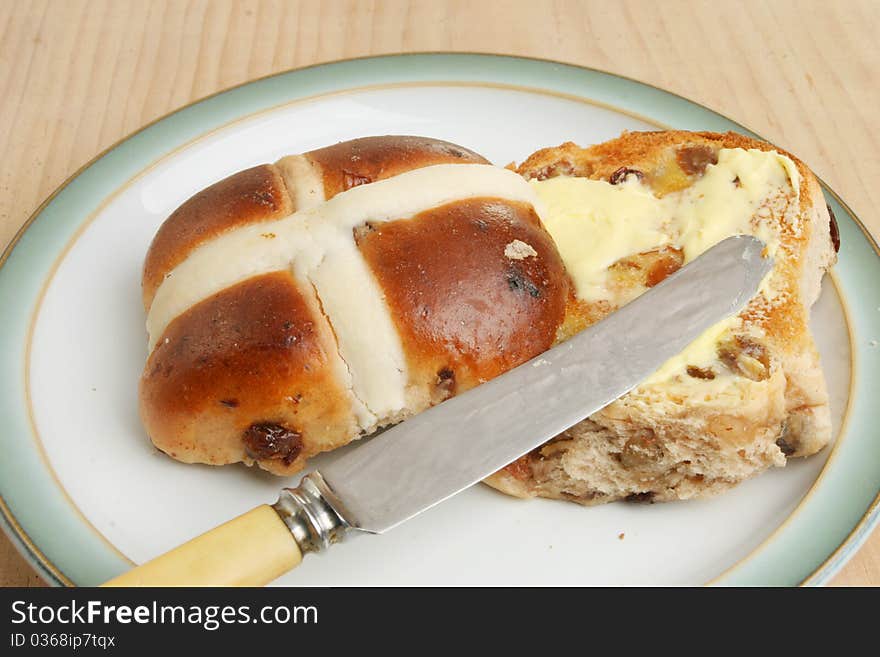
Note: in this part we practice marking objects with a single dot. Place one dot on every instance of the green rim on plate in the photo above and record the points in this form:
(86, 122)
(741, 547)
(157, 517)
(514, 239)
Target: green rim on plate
(830, 523)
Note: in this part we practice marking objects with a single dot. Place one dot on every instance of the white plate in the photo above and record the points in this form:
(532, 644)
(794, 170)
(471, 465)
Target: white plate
(89, 345)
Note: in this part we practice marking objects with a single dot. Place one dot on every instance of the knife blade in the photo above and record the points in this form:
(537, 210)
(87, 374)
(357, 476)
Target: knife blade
(445, 449)
(432, 456)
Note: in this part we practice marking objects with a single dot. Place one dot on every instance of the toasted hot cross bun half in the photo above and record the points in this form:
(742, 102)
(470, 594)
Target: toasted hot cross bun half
(296, 306)
(750, 392)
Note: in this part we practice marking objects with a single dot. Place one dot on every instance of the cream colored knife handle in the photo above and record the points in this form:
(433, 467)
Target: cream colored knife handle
(250, 550)
(254, 548)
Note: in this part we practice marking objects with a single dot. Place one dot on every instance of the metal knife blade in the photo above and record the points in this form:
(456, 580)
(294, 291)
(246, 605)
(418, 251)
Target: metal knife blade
(445, 449)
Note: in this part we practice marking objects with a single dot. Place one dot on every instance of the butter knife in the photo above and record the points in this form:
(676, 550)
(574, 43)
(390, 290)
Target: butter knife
(434, 455)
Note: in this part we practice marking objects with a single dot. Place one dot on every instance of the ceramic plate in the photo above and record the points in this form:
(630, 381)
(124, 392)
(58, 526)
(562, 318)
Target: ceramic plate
(84, 494)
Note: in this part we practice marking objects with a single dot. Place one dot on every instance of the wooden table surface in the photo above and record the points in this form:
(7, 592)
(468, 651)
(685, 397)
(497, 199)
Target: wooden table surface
(77, 76)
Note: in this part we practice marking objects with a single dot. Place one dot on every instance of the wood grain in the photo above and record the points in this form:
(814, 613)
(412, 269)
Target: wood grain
(77, 76)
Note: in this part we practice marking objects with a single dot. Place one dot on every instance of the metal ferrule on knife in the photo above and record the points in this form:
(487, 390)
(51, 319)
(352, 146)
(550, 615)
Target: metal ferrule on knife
(313, 521)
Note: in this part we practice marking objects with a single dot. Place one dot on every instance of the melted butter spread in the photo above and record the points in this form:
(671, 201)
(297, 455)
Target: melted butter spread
(595, 224)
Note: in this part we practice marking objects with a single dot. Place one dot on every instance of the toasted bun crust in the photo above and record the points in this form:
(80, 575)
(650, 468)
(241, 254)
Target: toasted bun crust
(466, 312)
(258, 352)
(658, 446)
(249, 196)
(361, 161)
(254, 373)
